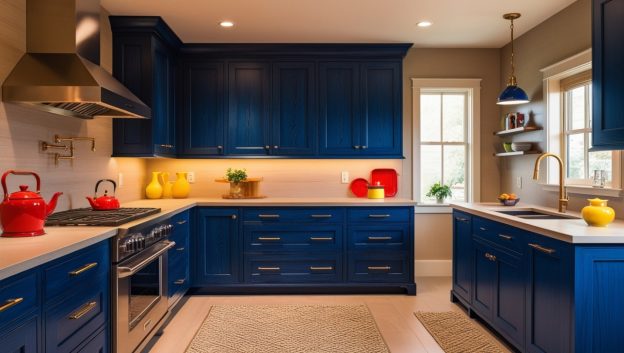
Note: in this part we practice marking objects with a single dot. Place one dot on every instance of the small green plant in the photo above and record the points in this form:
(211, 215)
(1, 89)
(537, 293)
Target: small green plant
(236, 175)
(440, 191)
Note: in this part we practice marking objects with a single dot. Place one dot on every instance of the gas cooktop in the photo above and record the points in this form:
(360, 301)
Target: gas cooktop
(90, 217)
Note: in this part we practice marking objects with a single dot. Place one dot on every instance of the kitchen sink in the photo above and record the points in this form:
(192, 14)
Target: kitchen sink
(536, 214)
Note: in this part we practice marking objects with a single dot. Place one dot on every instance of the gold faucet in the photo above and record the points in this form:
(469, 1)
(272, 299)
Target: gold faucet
(563, 195)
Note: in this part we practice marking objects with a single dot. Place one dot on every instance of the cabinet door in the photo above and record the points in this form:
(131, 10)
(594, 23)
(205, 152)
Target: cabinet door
(381, 109)
(484, 279)
(203, 109)
(249, 99)
(548, 294)
(608, 74)
(294, 119)
(163, 101)
(462, 256)
(340, 122)
(509, 311)
(21, 339)
(217, 248)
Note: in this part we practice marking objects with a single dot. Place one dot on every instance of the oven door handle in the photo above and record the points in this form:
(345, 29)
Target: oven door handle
(151, 254)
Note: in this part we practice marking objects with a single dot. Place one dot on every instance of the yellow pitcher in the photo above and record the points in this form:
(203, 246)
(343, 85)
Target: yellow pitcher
(598, 214)
(154, 190)
(181, 188)
(167, 185)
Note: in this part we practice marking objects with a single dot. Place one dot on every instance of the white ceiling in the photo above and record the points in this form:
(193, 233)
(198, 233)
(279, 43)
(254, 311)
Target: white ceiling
(456, 23)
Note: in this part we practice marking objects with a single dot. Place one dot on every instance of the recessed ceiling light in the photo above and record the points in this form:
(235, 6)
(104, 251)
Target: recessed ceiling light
(424, 24)
(226, 24)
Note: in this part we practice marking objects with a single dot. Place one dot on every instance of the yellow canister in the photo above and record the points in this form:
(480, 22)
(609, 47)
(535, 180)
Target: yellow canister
(376, 192)
(598, 214)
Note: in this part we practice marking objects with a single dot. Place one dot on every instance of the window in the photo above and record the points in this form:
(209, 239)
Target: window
(444, 114)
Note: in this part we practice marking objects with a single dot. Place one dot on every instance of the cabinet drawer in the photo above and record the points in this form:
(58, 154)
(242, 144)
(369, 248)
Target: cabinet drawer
(97, 344)
(180, 219)
(73, 270)
(72, 321)
(21, 337)
(178, 279)
(321, 268)
(507, 237)
(293, 238)
(379, 267)
(380, 214)
(179, 252)
(390, 237)
(18, 295)
(311, 215)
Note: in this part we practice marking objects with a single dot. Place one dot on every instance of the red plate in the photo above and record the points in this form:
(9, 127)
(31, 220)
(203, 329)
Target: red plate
(387, 178)
(359, 187)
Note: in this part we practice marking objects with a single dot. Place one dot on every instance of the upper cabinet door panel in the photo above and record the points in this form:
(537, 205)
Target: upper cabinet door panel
(381, 109)
(204, 109)
(608, 74)
(340, 129)
(248, 123)
(294, 119)
(163, 102)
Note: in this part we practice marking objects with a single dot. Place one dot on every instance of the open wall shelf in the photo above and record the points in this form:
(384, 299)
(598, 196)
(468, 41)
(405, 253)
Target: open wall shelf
(517, 130)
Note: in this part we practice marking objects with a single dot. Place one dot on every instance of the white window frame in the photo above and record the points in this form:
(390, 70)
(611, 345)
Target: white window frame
(555, 131)
(473, 172)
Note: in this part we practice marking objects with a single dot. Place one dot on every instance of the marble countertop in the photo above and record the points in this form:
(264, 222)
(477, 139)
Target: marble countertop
(569, 230)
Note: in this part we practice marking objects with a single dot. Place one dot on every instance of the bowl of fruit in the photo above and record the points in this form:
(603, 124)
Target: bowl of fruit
(508, 199)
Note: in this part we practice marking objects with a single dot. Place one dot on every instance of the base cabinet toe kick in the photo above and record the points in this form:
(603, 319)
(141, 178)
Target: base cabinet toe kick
(539, 293)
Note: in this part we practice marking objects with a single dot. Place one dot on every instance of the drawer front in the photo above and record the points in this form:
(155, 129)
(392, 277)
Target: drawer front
(379, 267)
(180, 219)
(179, 280)
(293, 238)
(72, 321)
(98, 344)
(507, 237)
(71, 272)
(380, 214)
(18, 296)
(179, 252)
(21, 337)
(323, 268)
(390, 237)
(292, 214)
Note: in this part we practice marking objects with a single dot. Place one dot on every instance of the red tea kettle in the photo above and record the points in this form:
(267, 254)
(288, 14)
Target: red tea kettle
(23, 213)
(104, 202)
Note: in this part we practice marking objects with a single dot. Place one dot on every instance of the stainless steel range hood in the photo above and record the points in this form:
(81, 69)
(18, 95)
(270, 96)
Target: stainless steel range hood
(60, 71)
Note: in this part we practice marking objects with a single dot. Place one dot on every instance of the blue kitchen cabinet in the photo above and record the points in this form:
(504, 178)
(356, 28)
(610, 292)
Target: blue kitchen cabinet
(179, 258)
(22, 337)
(203, 110)
(462, 256)
(144, 61)
(216, 249)
(608, 74)
(484, 280)
(248, 109)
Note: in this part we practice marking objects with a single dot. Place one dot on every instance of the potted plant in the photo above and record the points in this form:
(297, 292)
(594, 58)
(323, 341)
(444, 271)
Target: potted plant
(440, 192)
(235, 176)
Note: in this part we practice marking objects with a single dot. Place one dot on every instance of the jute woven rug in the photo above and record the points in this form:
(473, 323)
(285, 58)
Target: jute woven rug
(455, 333)
(288, 329)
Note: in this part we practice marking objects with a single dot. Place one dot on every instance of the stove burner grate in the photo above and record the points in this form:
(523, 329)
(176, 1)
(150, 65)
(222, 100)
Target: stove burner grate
(90, 217)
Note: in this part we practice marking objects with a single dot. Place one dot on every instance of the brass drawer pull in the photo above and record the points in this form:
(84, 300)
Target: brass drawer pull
(269, 238)
(83, 269)
(505, 236)
(321, 216)
(378, 216)
(273, 216)
(321, 238)
(490, 257)
(167, 146)
(9, 303)
(379, 268)
(268, 268)
(181, 249)
(83, 311)
(542, 249)
(180, 281)
(182, 222)
(321, 268)
(461, 219)
(483, 229)
(380, 238)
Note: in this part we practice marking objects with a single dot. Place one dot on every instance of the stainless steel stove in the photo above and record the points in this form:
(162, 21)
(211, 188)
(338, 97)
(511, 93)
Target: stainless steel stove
(90, 217)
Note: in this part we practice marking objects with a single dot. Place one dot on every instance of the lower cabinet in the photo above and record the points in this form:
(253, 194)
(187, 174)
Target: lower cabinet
(178, 264)
(23, 337)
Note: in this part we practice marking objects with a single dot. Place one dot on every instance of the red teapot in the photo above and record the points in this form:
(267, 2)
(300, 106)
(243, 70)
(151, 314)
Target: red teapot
(104, 202)
(23, 213)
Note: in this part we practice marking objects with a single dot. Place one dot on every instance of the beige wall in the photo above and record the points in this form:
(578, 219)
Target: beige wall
(22, 129)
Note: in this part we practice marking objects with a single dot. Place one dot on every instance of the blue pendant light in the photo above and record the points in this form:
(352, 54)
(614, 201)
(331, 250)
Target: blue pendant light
(512, 94)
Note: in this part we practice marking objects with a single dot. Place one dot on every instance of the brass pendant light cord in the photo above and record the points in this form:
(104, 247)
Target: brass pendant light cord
(512, 78)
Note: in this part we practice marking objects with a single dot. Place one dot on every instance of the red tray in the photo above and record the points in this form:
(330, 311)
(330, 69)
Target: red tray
(359, 187)
(386, 177)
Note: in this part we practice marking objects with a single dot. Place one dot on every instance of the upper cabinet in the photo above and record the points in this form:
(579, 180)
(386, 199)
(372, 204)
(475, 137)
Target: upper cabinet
(608, 75)
(144, 52)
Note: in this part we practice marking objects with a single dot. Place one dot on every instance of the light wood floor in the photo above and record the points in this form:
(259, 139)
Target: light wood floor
(393, 313)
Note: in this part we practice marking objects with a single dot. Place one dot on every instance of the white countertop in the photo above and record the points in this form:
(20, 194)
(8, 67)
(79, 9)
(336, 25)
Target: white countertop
(21, 254)
(569, 230)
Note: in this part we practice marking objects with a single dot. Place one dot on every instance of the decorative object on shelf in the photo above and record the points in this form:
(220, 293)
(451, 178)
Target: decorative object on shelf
(167, 185)
(597, 213)
(104, 202)
(59, 144)
(508, 199)
(513, 121)
(359, 187)
(376, 191)
(507, 146)
(235, 177)
(154, 190)
(512, 94)
(440, 192)
(23, 213)
(181, 188)
(387, 177)
(249, 189)
(521, 146)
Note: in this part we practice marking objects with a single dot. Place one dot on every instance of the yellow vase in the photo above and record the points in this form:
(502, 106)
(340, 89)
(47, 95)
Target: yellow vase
(181, 188)
(598, 214)
(167, 185)
(154, 190)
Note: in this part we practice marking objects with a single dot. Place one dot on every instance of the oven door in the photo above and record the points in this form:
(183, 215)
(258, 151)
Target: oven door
(141, 301)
